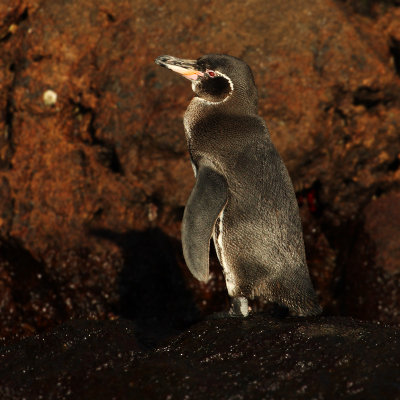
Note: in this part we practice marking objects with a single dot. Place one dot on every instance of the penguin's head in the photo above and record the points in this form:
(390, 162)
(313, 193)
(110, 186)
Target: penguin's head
(216, 78)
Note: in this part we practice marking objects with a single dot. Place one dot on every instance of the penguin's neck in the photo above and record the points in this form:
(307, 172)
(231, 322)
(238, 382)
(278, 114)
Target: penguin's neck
(200, 109)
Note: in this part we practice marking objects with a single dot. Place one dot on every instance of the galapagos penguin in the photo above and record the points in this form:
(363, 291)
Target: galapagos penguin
(243, 196)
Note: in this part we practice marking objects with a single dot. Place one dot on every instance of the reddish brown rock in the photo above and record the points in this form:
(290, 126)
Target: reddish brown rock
(372, 274)
(93, 160)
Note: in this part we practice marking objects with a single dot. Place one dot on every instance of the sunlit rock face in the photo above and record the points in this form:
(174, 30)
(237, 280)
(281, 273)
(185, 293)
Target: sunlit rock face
(94, 172)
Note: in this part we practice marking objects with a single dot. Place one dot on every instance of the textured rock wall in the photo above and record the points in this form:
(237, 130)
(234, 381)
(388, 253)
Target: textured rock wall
(94, 172)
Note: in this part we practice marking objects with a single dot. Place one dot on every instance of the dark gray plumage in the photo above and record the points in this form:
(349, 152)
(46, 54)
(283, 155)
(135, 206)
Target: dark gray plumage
(243, 196)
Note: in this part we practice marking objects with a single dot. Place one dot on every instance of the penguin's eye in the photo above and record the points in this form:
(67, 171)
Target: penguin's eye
(211, 73)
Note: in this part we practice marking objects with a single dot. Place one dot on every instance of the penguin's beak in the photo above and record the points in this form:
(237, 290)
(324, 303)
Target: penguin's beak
(187, 68)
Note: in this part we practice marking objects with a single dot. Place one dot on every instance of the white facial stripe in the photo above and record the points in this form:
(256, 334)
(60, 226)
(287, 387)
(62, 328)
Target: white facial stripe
(227, 78)
(217, 73)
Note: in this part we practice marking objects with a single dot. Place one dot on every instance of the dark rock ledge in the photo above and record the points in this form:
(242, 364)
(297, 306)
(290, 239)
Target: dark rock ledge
(256, 358)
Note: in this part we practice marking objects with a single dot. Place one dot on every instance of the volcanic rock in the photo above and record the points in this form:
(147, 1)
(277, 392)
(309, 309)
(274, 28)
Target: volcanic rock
(254, 358)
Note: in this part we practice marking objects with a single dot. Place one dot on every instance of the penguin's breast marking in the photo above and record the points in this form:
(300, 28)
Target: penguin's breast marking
(229, 277)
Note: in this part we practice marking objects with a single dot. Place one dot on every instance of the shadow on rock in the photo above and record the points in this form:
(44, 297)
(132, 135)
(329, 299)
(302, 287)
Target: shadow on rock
(151, 286)
(30, 297)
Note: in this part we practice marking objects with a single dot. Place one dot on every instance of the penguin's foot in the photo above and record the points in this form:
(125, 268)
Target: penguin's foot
(239, 308)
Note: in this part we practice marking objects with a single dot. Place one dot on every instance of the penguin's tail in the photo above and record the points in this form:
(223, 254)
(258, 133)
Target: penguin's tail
(307, 310)
(303, 303)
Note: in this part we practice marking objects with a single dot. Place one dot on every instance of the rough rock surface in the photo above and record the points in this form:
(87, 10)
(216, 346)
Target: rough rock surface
(255, 358)
(372, 278)
(94, 172)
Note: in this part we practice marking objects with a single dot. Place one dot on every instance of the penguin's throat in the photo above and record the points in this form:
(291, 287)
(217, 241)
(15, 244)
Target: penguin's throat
(213, 90)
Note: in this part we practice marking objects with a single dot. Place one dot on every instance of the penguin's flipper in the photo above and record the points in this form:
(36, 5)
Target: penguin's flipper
(205, 203)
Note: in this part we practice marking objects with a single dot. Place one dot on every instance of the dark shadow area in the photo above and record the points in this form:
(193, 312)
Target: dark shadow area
(394, 49)
(368, 7)
(342, 239)
(32, 303)
(310, 197)
(370, 97)
(151, 287)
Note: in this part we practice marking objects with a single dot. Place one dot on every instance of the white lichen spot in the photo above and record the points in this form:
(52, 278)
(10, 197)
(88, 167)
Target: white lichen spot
(50, 97)
(13, 28)
(152, 212)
